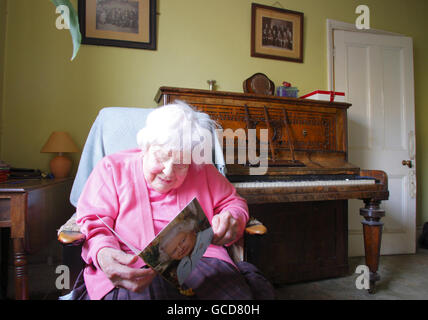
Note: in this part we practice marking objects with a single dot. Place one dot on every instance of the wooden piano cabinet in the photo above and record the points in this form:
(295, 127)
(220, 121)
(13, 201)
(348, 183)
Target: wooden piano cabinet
(305, 240)
(312, 132)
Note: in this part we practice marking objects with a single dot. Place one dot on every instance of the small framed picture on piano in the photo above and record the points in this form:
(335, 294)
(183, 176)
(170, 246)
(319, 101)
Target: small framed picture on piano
(276, 33)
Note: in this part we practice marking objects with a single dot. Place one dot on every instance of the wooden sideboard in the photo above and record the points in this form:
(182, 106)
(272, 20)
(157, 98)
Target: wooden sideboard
(33, 210)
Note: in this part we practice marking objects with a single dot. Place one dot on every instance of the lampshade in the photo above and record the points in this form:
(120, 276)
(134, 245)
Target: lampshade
(60, 141)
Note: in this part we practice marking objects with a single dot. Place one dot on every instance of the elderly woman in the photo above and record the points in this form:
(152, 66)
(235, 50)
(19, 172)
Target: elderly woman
(138, 192)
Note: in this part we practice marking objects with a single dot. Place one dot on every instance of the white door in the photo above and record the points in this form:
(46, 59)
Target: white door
(376, 74)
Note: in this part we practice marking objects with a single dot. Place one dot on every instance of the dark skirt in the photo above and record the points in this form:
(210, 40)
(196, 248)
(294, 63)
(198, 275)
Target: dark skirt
(212, 279)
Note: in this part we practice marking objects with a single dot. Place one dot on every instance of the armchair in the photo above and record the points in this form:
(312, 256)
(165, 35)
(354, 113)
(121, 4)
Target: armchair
(113, 130)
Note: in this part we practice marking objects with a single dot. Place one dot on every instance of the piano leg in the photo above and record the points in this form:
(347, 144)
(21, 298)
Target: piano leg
(372, 229)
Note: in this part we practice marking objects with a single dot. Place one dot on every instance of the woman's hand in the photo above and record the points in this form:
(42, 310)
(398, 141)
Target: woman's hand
(114, 263)
(225, 228)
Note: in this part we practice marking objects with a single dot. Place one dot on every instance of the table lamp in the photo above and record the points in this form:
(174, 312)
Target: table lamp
(60, 142)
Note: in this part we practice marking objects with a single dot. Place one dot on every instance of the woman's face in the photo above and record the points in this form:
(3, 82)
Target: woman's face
(164, 170)
(181, 246)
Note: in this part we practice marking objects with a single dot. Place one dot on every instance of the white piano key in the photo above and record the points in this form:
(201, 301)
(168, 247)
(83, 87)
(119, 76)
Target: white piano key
(315, 183)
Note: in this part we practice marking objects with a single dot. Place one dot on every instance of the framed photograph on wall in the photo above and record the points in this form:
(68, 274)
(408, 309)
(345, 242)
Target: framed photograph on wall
(119, 23)
(276, 33)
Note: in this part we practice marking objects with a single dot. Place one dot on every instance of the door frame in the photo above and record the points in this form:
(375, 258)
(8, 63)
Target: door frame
(339, 25)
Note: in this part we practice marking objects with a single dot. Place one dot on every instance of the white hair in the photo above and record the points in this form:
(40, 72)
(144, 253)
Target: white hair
(176, 127)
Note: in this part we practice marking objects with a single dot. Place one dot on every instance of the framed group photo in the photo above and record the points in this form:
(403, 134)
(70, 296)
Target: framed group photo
(119, 23)
(276, 33)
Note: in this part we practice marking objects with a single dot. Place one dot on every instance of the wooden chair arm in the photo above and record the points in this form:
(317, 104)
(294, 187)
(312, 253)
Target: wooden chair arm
(71, 238)
(75, 238)
(254, 226)
(257, 229)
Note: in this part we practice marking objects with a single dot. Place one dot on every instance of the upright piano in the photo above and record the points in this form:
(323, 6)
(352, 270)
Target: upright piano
(302, 196)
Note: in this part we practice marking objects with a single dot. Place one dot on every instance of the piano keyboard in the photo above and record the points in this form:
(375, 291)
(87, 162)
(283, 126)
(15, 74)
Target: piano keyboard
(315, 183)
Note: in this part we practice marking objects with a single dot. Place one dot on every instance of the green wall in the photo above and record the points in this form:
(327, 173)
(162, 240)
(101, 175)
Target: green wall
(3, 9)
(197, 40)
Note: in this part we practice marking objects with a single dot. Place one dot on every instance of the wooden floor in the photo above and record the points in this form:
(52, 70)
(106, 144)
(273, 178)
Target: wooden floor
(403, 277)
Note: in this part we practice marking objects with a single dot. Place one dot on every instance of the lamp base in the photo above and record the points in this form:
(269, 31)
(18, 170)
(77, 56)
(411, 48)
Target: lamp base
(60, 166)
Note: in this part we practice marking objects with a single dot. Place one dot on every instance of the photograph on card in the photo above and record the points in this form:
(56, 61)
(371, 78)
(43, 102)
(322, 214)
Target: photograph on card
(177, 249)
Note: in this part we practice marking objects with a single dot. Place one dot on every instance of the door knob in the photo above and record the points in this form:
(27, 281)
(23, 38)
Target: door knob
(407, 163)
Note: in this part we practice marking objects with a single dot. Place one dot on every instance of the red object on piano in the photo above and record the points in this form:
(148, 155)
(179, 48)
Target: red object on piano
(4, 176)
(325, 96)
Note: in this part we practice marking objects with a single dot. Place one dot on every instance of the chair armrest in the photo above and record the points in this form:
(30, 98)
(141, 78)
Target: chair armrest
(71, 238)
(70, 235)
(254, 226)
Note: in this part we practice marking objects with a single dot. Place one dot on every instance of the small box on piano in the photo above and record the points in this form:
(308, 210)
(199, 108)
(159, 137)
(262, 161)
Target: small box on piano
(331, 96)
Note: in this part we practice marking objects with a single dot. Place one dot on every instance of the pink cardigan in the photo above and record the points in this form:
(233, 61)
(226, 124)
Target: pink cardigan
(117, 191)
